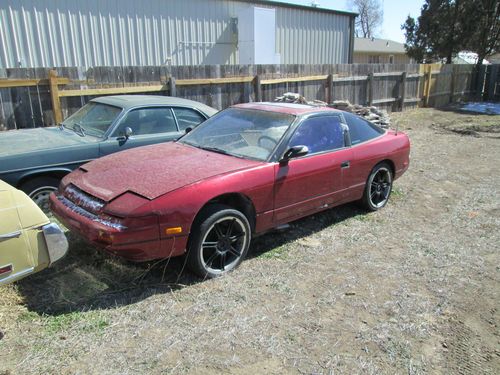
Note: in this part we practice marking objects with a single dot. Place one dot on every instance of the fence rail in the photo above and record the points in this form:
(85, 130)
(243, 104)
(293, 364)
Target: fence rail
(41, 97)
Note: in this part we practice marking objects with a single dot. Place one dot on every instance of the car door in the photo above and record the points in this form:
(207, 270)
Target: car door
(313, 182)
(15, 254)
(149, 125)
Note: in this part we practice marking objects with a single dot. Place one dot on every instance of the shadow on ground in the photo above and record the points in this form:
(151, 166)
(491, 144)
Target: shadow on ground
(88, 279)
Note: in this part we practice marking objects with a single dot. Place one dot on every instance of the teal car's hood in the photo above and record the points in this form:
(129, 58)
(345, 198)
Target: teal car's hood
(17, 142)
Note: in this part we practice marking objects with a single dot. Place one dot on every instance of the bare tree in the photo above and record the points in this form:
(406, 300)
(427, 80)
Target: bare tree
(370, 17)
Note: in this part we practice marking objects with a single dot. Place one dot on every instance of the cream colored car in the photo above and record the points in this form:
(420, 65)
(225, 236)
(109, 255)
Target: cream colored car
(29, 242)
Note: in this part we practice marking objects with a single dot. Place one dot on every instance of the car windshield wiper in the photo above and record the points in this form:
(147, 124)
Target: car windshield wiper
(80, 130)
(215, 149)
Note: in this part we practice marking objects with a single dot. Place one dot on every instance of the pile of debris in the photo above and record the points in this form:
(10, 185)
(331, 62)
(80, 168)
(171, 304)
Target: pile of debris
(292, 97)
(377, 116)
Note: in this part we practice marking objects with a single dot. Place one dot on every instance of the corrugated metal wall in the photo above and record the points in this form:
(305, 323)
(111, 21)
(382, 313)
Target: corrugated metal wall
(308, 37)
(46, 33)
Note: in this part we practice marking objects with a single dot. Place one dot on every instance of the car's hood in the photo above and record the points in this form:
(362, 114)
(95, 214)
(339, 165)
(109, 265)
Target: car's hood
(16, 142)
(152, 171)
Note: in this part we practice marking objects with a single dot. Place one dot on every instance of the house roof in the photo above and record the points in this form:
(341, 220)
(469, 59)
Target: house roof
(378, 45)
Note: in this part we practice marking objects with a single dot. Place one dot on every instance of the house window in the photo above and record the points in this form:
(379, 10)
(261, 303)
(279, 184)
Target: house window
(391, 59)
(373, 59)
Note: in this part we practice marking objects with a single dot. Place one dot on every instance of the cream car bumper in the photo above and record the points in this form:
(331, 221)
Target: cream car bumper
(57, 247)
(57, 244)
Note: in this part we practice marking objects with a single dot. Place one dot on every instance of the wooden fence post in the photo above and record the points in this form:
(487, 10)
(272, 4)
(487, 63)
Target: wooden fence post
(54, 97)
(329, 84)
(427, 85)
(369, 88)
(481, 73)
(452, 83)
(257, 88)
(402, 92)
(492, 80)
(171, 87)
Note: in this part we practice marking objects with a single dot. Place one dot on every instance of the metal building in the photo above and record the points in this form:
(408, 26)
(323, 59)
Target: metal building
(47, 33)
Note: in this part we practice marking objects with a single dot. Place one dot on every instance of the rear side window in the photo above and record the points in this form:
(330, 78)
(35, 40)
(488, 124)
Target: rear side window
(146, 121)
(187, 118)
(361, 130)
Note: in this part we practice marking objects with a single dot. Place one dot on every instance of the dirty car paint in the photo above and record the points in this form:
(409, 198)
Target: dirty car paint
(166, 169)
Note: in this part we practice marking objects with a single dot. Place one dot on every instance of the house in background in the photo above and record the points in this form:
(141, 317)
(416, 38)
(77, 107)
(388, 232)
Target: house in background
(379, 51)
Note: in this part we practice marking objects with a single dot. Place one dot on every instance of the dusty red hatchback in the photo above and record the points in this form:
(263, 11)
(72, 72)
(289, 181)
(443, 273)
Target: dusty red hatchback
(248, 169)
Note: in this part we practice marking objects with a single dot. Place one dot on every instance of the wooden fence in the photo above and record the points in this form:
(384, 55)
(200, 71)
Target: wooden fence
(41, 97)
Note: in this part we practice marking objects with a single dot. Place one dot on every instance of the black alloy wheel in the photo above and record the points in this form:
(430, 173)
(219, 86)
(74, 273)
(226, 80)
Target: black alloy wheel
(219, 242)
(378, 187)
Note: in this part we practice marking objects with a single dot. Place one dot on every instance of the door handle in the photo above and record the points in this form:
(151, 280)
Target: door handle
(10, 235)
(345, 164)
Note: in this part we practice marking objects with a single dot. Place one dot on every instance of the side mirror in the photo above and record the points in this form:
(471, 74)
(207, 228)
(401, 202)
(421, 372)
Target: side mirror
(128, 132)
(188, 129)
(294, 152)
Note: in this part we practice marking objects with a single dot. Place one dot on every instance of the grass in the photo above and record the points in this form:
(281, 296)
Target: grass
(278, 252)
(397, 192)
(91, 321)
(418, 267)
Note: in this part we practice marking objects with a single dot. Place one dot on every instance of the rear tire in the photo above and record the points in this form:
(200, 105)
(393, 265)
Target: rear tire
(39, 189)
(219, 241)
(378, 187)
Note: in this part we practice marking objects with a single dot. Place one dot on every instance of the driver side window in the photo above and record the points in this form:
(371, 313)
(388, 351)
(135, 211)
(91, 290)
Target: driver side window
(319, 134)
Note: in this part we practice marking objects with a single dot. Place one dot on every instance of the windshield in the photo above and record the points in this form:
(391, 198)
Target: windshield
(246, 133)
(93, 118)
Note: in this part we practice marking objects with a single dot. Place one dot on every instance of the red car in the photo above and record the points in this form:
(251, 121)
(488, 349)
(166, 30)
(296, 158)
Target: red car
(248, 169)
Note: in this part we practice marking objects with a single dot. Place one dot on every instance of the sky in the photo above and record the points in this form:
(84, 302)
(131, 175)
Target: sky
(395, 13)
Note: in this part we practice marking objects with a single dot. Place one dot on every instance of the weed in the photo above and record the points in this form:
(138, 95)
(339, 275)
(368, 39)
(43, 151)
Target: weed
(278, 252)
(79, 321)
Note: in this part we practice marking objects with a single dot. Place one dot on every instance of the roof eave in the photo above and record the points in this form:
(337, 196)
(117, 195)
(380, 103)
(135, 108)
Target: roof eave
(303, 7)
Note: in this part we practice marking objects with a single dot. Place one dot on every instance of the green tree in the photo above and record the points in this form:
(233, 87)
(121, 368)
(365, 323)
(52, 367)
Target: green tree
(437, 33)
(446, 27)
(481, 27)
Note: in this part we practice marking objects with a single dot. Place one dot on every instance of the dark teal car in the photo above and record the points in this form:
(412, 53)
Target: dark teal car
(35, 160)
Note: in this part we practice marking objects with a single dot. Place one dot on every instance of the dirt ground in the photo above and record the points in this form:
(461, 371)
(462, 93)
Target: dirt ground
(413, 288)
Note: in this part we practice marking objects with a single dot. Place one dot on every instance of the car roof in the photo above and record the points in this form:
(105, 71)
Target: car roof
(129, 101)
(289, 108)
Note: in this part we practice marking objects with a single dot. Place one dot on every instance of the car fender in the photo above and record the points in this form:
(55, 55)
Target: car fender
(59, 171)
(180, 207)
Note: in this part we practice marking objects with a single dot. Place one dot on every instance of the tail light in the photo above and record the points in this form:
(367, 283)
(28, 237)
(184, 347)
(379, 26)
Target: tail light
(6, 269)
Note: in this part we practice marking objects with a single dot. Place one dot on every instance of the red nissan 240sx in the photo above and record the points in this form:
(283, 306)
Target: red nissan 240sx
(248, 169)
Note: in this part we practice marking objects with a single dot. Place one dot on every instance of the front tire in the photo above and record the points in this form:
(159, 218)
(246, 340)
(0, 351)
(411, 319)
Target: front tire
(378, 187)
(39, 189)
(219, 241)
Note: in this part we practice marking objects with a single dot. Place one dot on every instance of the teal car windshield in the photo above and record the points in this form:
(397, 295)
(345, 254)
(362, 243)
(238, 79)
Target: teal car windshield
(245, 133)
(93, 119)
